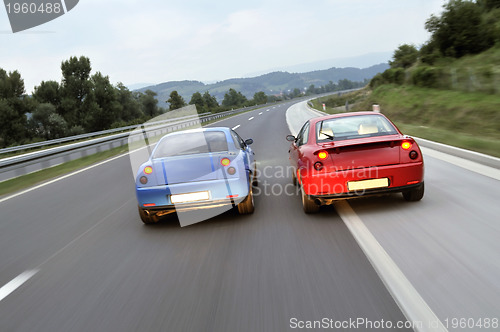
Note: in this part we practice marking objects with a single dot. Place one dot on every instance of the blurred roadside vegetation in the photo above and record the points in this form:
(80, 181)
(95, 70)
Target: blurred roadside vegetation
(447, 90)
(84, 102)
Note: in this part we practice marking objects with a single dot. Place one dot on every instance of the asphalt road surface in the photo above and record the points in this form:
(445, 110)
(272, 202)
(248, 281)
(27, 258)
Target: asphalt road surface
(74, 255)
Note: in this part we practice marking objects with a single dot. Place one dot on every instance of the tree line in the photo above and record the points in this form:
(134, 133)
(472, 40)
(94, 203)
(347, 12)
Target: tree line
(465, 27)
(84, 102)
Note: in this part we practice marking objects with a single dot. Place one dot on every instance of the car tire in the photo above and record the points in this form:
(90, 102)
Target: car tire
(247, 205)
(145, 217)
(294, 179)
(415, 194)
(307, 203)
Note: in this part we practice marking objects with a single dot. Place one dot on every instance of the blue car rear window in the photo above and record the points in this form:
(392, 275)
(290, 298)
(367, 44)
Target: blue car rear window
(191, 143)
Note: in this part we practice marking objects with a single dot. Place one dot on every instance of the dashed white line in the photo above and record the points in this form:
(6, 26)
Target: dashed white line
(267, 110)
(408, 299)
(16, 283)
(260, 113)
(250, 119)
(236, 127)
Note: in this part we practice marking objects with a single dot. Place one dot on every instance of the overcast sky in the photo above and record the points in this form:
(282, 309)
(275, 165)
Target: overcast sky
(154, 41)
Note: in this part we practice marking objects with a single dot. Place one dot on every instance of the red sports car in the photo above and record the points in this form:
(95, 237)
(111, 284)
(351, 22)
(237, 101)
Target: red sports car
(352, 154)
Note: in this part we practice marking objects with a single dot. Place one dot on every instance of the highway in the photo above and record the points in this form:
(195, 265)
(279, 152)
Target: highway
(74, 255)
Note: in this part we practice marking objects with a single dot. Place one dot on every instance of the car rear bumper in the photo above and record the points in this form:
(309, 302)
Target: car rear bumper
(187, 207)
(335, 184)
(329, 199)
(221, 192)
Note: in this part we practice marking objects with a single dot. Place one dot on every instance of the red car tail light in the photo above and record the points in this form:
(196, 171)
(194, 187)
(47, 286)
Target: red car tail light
(225, 162)
(406, 145)
(322, 155)
(413, 155)
(148, 170)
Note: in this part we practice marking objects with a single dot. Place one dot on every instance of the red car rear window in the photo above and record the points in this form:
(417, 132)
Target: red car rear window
(351, 127)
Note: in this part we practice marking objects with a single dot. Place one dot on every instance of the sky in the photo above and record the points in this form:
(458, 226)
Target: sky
(154, 41)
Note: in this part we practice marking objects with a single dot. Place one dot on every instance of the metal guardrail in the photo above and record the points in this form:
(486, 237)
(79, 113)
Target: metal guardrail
(18, 165)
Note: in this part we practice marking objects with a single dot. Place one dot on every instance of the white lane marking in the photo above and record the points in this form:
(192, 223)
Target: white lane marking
(267, 110)
(406, 296)
(250, 119)
(260, 113)
(236, 127)
(16, 283)
(60, 178)
(464, 163)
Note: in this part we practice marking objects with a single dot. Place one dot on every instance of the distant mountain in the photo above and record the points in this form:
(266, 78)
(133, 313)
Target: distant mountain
(361, 61)
(271, 83)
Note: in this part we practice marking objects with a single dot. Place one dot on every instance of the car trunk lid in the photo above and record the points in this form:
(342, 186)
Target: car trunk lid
(362, 153)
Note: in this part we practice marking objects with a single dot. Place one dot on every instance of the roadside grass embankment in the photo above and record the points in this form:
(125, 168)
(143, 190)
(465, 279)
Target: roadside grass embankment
(469, 120)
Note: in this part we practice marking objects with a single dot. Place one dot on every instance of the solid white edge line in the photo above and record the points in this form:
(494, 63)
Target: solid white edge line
(406, 296)
(236, 127)
(15, 283)
(464, 163)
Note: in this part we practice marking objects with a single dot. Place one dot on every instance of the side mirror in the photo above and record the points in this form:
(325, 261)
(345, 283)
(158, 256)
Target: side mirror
(249, 141)
(290, 138)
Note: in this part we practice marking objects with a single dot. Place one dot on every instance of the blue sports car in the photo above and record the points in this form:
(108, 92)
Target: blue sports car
(197, 172)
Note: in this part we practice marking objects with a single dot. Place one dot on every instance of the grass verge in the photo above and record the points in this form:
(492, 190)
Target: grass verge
(469, 120)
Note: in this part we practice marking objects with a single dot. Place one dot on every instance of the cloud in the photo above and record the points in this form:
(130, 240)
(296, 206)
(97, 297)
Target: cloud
(157, 41)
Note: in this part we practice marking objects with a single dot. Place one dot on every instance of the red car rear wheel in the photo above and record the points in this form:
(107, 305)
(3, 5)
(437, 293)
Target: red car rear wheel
(307, 203)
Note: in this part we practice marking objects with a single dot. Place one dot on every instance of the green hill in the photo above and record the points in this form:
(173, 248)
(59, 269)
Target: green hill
(271, 84)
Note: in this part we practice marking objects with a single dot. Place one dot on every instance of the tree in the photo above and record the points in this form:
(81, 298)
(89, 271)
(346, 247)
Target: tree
(130, 106)
(107, 109)
(404, 57)
(48, 92)
(149, 103)
(233, 98)
(13, 108)
(311, 90)
(75, 87)
(197, 100)
(260, 98)
(210, 102)
(176, 101)
(488, 5)
(460, 30)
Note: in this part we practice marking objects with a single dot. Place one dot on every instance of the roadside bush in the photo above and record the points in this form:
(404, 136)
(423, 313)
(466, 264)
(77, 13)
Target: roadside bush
(376, 81)
(395, 75)
(425, 76)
